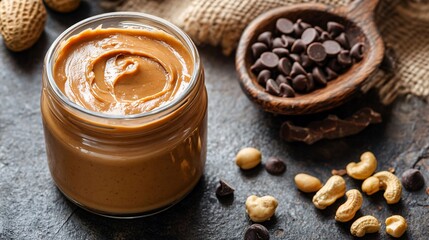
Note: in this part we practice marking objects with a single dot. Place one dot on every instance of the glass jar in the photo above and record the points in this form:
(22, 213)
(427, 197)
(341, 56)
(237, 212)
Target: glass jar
(129, 165)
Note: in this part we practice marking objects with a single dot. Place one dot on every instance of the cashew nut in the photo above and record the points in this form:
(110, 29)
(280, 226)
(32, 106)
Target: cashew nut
(364, 168)
(334, 188)
(396, 225)
(261, 209)
(385, 181)
(307, 183)
(248, 158)
(364, 225)
(348, 210)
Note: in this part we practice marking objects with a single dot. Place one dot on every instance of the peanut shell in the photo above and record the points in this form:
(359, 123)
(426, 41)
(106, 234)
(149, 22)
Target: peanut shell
(22, 23)
(63, 6)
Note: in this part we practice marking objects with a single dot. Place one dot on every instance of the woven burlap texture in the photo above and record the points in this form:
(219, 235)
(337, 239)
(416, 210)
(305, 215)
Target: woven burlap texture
(404, 26)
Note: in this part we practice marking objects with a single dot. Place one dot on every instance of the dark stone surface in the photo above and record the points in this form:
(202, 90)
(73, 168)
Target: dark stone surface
(32, 208)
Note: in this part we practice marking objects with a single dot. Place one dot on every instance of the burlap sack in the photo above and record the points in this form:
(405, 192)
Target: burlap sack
(404, 26)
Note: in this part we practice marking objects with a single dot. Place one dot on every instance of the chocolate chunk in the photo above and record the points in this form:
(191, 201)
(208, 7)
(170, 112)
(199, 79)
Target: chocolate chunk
(275, 166)
(344, 58)
(357, 51)
(332, 47)
(269, 59)
(319, 77)
(281, 52)
(297, 69)
(256, 232)
(263, 77)
(290, 40)
(257, 66)
(309, 35)
(258, 48)
(281, 79)
(298, 46)
(324, 36)
(284, 25)
(295, 57)
(266, 37)
(335, 28)
(284, 66)
(224, 189)
(300, 83)
(330, 74)
(343, 41)
(316, 52)
(272, 87)
(412, 180)
(279, 43)
(286, 90)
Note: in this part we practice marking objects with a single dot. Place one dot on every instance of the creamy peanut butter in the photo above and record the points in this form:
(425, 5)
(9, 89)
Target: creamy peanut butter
(124, 166)
(122, 71)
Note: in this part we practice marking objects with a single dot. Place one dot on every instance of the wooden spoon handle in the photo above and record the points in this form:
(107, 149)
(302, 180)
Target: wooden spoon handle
(362, 9)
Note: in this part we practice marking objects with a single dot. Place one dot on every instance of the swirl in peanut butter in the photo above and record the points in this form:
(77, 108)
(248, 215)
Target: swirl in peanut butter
(122, 71)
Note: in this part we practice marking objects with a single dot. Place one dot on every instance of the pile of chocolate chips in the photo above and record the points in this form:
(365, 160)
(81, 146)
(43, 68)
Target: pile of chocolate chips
(299, 57)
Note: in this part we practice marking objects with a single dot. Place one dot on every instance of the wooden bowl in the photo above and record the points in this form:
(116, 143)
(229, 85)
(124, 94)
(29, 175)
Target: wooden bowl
(360, 26)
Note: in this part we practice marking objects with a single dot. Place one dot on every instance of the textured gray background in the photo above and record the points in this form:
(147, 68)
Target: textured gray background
(32, 208)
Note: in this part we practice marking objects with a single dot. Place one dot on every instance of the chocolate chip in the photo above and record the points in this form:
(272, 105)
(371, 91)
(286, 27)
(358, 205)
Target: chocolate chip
(290, 40)
(342, 39)
(316, 52)
(309, 35)
(281, 52)
(275, 166)
(258, 48)
(335, 65)
(284, 66)
(344, 58)
(305, 25)
(295, 57)
(412, 180)
(335, 28)
(324, 36)
(281, 79)
(224, 189)
(269, 59)
(256, 232)
(257, 66)
(279, 43)
(332, 47)
(306, 61)
(272, 87)
(319, 29)
(265, 37)
(330, 74)
(286, 90)
(300, 83)
(298, 29)
(284, 25)
(297, 69)
(310, 82)
(298, 46)
(357, 51)
(263, 77)
(319, 77)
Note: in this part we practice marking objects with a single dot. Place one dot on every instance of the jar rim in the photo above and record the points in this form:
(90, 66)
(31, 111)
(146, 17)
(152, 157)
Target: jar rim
(185, 39)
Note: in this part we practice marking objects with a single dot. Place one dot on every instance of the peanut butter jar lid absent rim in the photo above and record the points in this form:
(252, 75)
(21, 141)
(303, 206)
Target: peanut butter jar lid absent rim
(126, 20)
